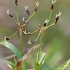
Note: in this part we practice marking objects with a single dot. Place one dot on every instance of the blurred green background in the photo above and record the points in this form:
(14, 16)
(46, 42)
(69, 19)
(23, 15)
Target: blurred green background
(56, 40)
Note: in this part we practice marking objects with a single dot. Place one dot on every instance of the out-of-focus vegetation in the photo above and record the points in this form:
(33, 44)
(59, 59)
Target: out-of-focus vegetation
(56, 40)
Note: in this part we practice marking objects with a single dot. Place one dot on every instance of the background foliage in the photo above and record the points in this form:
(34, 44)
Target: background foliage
(56, 39)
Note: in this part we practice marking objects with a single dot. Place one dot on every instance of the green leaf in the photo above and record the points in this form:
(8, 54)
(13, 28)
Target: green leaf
(44, 67)
(42, 58)
(24, 67)
(64, 66)
(11, 47)
(8, 62)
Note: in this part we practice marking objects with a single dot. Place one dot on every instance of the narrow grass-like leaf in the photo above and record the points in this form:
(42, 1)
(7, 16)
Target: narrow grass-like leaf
(11, 47)
(64, 66)
(44, 67)
(24, 67)
(8, 62)
(36, 65)
(42, 59)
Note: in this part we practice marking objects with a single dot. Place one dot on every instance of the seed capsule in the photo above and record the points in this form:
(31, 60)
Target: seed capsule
(44, 24)
(36, 9)
(56, 20)
(7, 38)
(16, 2)
(52, 7)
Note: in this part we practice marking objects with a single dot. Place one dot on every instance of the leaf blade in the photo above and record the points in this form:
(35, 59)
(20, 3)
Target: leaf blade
(11, 47)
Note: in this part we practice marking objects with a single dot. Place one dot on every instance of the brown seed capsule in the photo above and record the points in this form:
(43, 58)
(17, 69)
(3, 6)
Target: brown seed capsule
(33, 41)
(10, 15)
(7, 38)
(52, 7)
(27, 11)
(44, 24)
(36, 9)
(56, 20)
(16, 2)
(24, 22)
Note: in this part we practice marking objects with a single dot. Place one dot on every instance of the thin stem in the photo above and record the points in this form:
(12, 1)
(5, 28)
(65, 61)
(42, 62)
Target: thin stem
(49, 16)
(21, 42)
(16, 21)
(38, 55)
(29, 18)
(39, 51)
(50, 25)
(42, 36)
(34, 23)
(17, 15)
(38, 36)
(34, 31)
(13, 34)
(41, 39)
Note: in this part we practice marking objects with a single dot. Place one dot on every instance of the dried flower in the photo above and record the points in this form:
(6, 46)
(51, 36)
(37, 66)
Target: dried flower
(37, 3)
(27, 11)
(26, 7)
(52, 4)
(29, 42)
(27, 33)
(57, 16)
(8, 12)
(46, 21)
(53, 1)
(23, 19)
